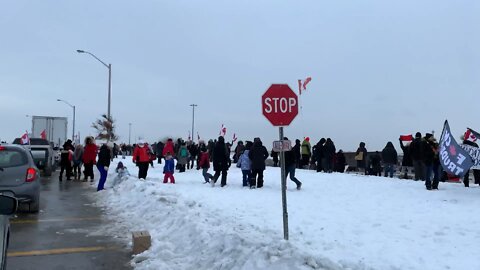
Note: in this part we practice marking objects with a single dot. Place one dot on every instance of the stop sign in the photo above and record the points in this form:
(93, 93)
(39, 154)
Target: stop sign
(280, 104)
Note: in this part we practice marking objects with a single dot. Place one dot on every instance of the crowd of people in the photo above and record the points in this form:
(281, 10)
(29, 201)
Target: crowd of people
(420, 157)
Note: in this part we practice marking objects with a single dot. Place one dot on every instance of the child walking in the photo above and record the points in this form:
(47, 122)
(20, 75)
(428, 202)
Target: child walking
(245, 164)
(205, 164)
(168, 169)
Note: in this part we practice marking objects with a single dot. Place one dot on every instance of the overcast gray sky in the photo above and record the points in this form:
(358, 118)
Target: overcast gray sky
(379, 68)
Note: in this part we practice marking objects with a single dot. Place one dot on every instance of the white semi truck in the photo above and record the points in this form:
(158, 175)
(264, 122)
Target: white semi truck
(55, 129)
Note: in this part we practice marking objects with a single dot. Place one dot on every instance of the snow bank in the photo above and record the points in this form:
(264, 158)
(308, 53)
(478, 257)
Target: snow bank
(337, 221)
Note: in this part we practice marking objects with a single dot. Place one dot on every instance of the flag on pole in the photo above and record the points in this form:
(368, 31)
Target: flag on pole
(453, 158)
(43, 134)
(303, 84)
(234, 138)
(471, 135)
(223, 131)
(198, 136)
(24, 139)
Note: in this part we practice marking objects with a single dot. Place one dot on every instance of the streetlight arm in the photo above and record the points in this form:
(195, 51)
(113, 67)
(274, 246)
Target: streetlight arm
(93, 55)
(66, 102)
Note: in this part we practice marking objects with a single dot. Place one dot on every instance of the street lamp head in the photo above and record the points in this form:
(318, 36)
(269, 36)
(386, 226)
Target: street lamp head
(59, 99)
(80, 51)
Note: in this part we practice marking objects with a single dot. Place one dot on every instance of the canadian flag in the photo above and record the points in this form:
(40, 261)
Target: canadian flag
(25, 139)
(303, 84)
(470, 136)
(43, 135)
(234, 138)
(406, 138)
(223, 131)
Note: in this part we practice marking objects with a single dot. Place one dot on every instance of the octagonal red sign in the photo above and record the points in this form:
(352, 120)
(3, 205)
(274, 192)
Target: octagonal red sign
(280, 104)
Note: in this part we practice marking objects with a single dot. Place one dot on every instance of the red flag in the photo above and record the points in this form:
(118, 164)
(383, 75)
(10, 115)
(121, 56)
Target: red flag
(24, 139)
(223, 131)
(469, 136)
(307, 80)
(406, 138)
(43, 135)
(234, 138)
(299, 87)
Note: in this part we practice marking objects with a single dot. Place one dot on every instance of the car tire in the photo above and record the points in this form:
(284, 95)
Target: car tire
(34, 207)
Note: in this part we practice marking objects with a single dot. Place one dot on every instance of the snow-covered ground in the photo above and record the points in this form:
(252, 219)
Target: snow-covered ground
(337, 221)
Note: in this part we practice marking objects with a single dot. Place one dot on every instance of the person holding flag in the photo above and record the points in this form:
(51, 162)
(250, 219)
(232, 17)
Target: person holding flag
(407, 158)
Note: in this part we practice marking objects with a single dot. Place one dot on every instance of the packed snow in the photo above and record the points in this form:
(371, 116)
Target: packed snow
(336, 221)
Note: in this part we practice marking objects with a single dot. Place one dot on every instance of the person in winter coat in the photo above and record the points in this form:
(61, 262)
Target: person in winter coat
(77, 162)
(290, 167)
(169, 168)
(193, 150)
(274, 156)
(407, 158)
(340, 162)
(104, 157)
(204, 163)
(245, 164)
(239, 149)
(306, 151)
(66, 160)
(182, 157)
(319, 154)
(375, 164)
(328, 155)
(296, 153)
(258, 154)
(89, 158)
(210, 146)
(417, 149)
(159, 151)
(429, 156)
(390, 159)
(168, 148)
(221, 161)
(361, 157)
(141, 157)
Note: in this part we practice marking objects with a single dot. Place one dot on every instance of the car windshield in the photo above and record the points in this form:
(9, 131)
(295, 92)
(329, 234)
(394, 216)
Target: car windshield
(12, 158)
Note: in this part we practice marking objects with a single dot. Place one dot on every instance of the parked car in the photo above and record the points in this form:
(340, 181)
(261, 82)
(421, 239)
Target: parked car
(43, 154)
(19, 177)
(8, 206)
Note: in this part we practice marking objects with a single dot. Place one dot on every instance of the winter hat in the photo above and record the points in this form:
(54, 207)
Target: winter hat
(418, 135)
(141, 142)
(120, 165)
(307, 139)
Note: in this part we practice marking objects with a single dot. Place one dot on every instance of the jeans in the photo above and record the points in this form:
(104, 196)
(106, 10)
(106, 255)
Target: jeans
(419, 168)
(389, 169)
(224, 177)
(428, 175)
(291, 170)
(253, 180)
(103, 177)
(246, 177)
(206, 175)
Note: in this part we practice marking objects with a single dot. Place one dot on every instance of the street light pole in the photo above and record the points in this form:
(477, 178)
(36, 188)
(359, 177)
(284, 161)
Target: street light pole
(129, 132)
(193, 120)
(109, 66)
(73, 107)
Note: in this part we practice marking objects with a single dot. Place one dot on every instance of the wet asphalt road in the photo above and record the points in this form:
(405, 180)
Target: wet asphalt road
(58, 236)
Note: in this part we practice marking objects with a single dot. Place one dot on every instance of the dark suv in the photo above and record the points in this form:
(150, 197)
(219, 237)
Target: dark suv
(19, 177)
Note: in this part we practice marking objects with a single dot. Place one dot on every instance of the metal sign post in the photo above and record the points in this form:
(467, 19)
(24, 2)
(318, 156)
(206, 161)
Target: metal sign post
(284, 188)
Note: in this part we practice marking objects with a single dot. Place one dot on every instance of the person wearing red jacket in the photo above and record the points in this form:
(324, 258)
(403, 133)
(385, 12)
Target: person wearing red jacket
(168, 148)
(89, 158)
(205, 164)
(141, 157)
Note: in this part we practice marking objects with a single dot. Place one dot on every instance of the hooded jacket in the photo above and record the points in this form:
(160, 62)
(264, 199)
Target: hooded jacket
(389, 154)
(258, 154)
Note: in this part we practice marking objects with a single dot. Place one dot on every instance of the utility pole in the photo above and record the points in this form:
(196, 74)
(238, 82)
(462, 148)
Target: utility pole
(193, 120)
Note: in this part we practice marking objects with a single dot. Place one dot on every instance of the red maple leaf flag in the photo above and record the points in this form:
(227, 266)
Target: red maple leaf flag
(307, 80)
(24, 139)
(234, 138)
(223, 131)
(43, 135)
(469, 136)
(406, 138)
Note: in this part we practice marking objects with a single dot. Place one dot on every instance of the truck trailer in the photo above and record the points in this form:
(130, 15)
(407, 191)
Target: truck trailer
(55, 129)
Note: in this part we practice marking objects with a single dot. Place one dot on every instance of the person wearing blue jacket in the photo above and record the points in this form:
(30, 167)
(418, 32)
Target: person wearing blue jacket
(168, 169)
(245, 164)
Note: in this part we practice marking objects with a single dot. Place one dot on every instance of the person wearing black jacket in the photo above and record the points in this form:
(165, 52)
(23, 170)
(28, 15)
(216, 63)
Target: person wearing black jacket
(159, 151)
(258, 154)
(476, 173)
(65, 160)
(319, 154)
(340, 162)
(102, 165)
(328, 155)
(429, 156)
(221, 161)
(290, 167)
(390, 159)
(296, 153)
(407, 158)
(417, 148)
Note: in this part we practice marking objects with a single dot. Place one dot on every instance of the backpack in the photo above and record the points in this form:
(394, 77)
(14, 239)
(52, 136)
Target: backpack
(183, 152)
